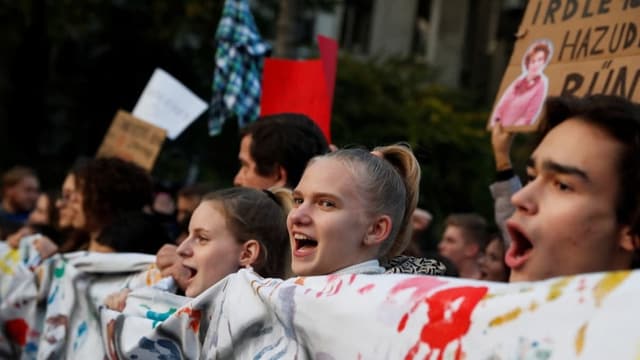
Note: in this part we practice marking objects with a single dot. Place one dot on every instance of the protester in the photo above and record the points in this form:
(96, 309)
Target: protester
(464, 238)
(99, 194)
(107, 187)
(69, 239)
(348, 223)
(188, 199)
(45, 211)
(73, 239)
(491, 261)
(274, 150)
(578, 213)
(20, 190)
(230, 229)
(42, 222)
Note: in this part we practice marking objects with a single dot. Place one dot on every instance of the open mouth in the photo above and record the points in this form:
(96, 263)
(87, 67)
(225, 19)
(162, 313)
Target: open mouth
(192, 271)
(520, 247)
(303, 244)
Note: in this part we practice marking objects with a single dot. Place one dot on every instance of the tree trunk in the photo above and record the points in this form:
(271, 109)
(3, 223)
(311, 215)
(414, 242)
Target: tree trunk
(285, 29)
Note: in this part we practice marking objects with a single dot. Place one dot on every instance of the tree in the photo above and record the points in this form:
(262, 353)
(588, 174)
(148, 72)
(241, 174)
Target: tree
(396, 100)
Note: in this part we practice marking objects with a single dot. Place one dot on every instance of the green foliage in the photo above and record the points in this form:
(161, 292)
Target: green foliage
(378, 103)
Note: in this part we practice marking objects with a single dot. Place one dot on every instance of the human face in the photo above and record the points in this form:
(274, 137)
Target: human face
(565, 220)
(40, 215)
(248, 175)
(24, 194)
(65, 210)
(328, 223)
(76, 204)
(453, 245)
(491, 263)
(185, 206)
(211, 251)
(536, 63)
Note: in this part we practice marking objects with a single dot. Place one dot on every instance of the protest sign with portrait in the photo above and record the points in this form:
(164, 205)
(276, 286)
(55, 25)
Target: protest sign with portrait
(573, 48)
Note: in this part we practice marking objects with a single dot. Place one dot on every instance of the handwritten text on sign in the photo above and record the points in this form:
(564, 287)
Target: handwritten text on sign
(132, 139)
(603, 34)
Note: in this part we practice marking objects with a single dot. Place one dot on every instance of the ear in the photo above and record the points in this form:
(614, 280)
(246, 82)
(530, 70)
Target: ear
(471, 249)
(280, 176)
(249, 253)
(628, 241)
(378, 231)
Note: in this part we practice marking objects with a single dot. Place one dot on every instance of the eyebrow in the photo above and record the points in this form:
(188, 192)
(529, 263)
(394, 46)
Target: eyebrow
(316, 195)
(555, 167)
(199, 230)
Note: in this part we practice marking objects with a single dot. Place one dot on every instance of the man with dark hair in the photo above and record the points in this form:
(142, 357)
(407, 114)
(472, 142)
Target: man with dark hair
(464, 238)
(274, 150)
(580, 210)
(20, 190)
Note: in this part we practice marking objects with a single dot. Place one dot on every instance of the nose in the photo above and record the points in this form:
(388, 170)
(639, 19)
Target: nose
(525, 199)
(299, 215)
(185, 248)
(237, 180)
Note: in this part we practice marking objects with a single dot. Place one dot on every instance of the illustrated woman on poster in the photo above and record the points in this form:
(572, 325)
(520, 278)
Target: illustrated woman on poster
(521, 102)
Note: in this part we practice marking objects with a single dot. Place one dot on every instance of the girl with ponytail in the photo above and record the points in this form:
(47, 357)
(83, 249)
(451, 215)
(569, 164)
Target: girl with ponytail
(352, 210)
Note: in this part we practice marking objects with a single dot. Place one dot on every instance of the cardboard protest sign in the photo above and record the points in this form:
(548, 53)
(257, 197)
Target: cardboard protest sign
(569, 47)
(167, 103)
(133, 140)
(302, 86)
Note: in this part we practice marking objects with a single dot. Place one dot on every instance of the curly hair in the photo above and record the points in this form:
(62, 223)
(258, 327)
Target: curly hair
(539, 47)
(110, 186)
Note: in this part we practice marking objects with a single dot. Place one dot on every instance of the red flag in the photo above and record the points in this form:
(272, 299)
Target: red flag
(302, 86)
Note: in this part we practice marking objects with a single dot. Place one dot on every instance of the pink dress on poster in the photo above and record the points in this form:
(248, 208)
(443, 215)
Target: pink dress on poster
(521, 103)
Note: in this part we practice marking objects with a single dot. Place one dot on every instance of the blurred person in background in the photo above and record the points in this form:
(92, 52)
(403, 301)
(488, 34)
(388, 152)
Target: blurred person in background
(20, 190)
(491, 261)
(464, 238)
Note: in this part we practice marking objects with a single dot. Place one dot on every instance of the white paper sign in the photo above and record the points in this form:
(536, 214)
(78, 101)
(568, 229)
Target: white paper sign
(166, 103)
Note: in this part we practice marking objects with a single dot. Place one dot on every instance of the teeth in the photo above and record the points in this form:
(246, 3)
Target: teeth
(301, 237)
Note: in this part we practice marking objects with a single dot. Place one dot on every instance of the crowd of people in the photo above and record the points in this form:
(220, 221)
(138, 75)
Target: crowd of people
(302, 208)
